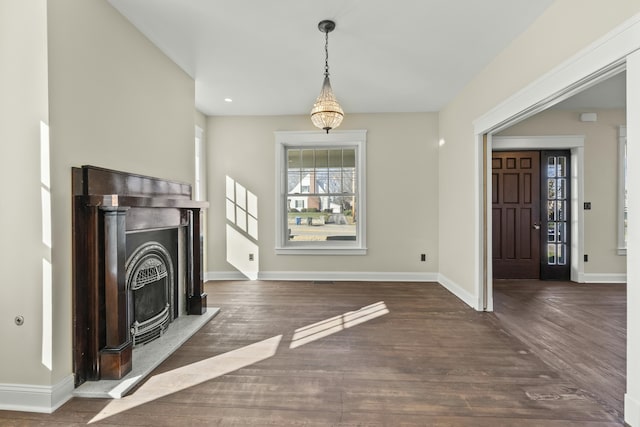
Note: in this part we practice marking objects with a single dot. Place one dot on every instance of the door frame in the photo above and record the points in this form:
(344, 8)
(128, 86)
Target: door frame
(573, 143)
(602, 59)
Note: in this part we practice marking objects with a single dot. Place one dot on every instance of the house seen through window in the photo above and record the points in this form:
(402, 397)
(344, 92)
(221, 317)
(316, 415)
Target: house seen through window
(321, 194)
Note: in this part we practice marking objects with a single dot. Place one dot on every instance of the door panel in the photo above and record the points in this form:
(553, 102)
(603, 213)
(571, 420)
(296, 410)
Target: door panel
(525, 238)
(516, 215)
(510, 225)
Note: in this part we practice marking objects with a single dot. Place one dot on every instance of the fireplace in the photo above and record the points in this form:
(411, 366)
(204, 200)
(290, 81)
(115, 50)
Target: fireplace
(151, 283)
(137, 265)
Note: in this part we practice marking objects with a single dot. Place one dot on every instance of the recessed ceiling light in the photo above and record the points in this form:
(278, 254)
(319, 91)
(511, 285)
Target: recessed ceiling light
(228, 100)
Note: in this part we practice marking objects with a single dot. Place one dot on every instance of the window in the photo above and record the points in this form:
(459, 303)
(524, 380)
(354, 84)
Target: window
(556, 197)
(199, 169)
(622, 190)
(320, 189)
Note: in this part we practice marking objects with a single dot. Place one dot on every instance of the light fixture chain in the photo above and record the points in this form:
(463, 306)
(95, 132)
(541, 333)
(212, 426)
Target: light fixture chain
(326, 53)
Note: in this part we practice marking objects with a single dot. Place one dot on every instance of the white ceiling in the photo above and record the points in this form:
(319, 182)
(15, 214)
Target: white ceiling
(611, 93)
(384, 56)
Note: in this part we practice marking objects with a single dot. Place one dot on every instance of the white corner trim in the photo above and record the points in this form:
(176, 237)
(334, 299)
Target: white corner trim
(604, 278)
(35, 398)
(459, 292)
(579, 278)
(631, 410)
(356, 276)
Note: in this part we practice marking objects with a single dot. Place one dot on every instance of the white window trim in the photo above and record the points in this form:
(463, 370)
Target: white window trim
(285, 139)
(199, 165)
(622, 142)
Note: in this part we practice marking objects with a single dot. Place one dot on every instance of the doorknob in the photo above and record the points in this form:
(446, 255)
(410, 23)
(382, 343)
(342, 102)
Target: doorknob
(536, 226)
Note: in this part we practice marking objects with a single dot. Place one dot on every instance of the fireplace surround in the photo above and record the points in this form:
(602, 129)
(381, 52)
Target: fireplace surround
(137, 265)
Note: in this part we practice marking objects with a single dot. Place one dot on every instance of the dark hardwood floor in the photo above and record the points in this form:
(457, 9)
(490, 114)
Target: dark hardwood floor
(576, 329)
(373, 354)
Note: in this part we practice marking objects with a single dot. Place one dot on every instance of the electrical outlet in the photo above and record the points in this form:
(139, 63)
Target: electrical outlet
(586, 258)
(587, 206)
(423, 257)
(251, 257)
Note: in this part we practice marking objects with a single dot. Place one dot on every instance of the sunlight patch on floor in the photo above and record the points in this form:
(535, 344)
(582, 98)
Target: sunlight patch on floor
(330, 326)
(178, 379)
(190, 375)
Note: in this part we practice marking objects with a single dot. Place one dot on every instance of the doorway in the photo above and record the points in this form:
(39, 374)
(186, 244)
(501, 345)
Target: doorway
(531, 214)
(589, 67)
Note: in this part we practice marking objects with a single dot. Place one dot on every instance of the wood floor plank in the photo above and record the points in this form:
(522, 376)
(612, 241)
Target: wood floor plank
(379, 354)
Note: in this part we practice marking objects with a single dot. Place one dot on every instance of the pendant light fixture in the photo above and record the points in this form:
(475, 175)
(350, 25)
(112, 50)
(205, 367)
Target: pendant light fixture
(326, 113)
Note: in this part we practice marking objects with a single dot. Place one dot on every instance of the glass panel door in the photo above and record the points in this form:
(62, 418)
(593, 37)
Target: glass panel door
(556, 241)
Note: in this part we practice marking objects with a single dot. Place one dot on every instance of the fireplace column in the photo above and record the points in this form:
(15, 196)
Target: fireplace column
(196, 298)
(115, 356)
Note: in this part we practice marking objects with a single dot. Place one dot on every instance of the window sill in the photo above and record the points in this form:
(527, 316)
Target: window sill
(325, 250)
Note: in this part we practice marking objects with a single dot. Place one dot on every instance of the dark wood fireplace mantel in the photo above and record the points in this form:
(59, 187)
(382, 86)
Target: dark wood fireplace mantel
(106, 205)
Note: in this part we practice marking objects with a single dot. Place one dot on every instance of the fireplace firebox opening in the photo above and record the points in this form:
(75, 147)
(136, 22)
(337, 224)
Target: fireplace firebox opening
(151, 282)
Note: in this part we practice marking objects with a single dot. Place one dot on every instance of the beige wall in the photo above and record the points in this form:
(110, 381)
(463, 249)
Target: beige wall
(564, 29)
(402, 187)
(601, 178)
(117, 102)
(23, 104)
(114, 101)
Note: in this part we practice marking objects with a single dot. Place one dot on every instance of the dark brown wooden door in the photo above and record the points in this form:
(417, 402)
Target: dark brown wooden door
(516, 215)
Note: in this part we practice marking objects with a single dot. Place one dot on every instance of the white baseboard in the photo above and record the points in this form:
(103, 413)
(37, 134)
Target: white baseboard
(327, 275)
(631, 410)
(458, 291)
(35, 398)
(349, 276)
(604, 278)
(224, 275)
